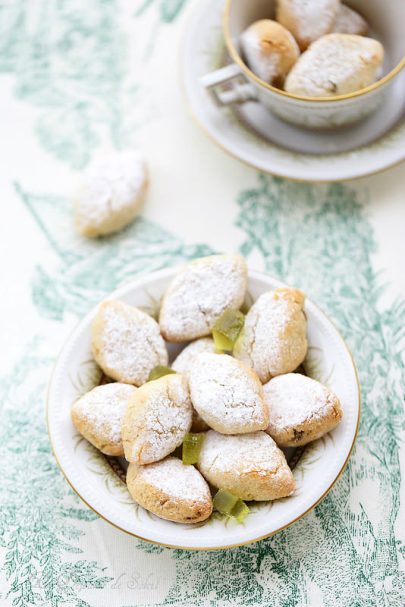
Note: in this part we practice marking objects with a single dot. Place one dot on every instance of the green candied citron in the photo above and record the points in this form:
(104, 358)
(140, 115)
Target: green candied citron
(227, 329)
(159, 371)
(229, 504)
(192, 444)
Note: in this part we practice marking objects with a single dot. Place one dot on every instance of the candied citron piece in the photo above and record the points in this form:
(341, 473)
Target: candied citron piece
(159, 371)
(192, 444)
(229, 504)
(227, 329)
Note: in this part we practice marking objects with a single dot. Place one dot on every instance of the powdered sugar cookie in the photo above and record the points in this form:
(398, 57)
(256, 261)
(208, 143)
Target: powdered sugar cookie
(198, 295)
(270, 50)
(227, 395)
(184, 361)
(110, 194)
(97, 415)
(336, 64)
(300, 409)
(157, 419)
(250, 466)
(274, 338)
(126, 342)
(171, 490)
(349, 21)
(307, 20)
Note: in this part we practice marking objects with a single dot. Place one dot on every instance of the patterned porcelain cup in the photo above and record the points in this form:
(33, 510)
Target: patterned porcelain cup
(236, 83)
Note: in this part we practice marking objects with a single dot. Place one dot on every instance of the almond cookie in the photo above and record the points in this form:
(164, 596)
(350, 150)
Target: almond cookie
(336, 64)
(171, 490)
(157, 419)
(97, 415)
(349, 21)
(307, 20)
(184, 361)
(300, 409)
(199, 294)
(110, 195)
(270, 50)
(250, 466)
(227, 395)
(126, 342)
(274, 338)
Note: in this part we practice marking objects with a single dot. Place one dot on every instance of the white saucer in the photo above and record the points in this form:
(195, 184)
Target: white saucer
(255, 136)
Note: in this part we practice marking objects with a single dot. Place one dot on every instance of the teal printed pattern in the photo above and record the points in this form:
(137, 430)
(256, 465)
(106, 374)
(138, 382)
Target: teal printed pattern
(318, 238)
(39, 514)
(89, 269)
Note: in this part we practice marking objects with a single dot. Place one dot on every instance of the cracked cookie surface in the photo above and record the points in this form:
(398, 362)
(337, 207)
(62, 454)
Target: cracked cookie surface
(126, 342)
(198, 295)
(157, 419)
(250, 466)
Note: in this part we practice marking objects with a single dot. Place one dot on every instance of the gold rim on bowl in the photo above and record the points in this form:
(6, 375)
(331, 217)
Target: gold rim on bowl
(237, 58)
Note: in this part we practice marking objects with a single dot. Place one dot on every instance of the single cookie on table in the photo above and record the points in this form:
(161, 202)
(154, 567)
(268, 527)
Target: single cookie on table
(97, 415)
(250, 466)
(171, 490)
(126, 342)
(198, 295)
(110, 194)
(274, 337)
(300, 409)
(227, 394)
(348, 21)
(336, 64)
(157, 419)
(307, 20)
(270, 50)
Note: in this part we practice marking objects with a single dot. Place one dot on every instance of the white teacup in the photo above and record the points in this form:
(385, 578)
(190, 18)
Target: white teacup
(236, 83)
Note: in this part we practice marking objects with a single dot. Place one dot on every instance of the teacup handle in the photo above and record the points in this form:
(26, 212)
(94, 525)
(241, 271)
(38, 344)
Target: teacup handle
(238, 91)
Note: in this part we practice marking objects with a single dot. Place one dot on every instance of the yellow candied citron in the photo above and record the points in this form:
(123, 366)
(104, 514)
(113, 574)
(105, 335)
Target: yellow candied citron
(227, 329)
(160, 371)
(230, 505)
(192, 444)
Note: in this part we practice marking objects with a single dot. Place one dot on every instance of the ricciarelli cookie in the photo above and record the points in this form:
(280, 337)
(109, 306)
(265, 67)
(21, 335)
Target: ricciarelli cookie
(171, 490)
(126, 342)
(184, 361)
(98, 414)
(349, 21)
(307, 20)
(227, 394)
(198, 295)
(157, 419)
(274, 338)
(110, 194)
(300, 409)
(250, 466)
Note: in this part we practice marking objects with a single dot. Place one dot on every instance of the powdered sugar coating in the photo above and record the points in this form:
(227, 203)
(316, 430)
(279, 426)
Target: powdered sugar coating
(177, 480)
(299, 408)
(110, 193)
(98, 414)
(249, 465)
(336, 64)
(349, 21)
(307, 20)
(198, 295)
(274, 338)
(184, 361)
(227, 395)
(156, 420)
(126, 342)
(269, 49)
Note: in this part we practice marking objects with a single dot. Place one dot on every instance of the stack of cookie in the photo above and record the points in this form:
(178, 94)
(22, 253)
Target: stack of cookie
(239, 398)
(337, 58)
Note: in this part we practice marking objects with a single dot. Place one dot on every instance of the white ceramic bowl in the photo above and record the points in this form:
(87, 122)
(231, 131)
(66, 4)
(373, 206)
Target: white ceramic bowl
(94, 480)
(386, 20)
